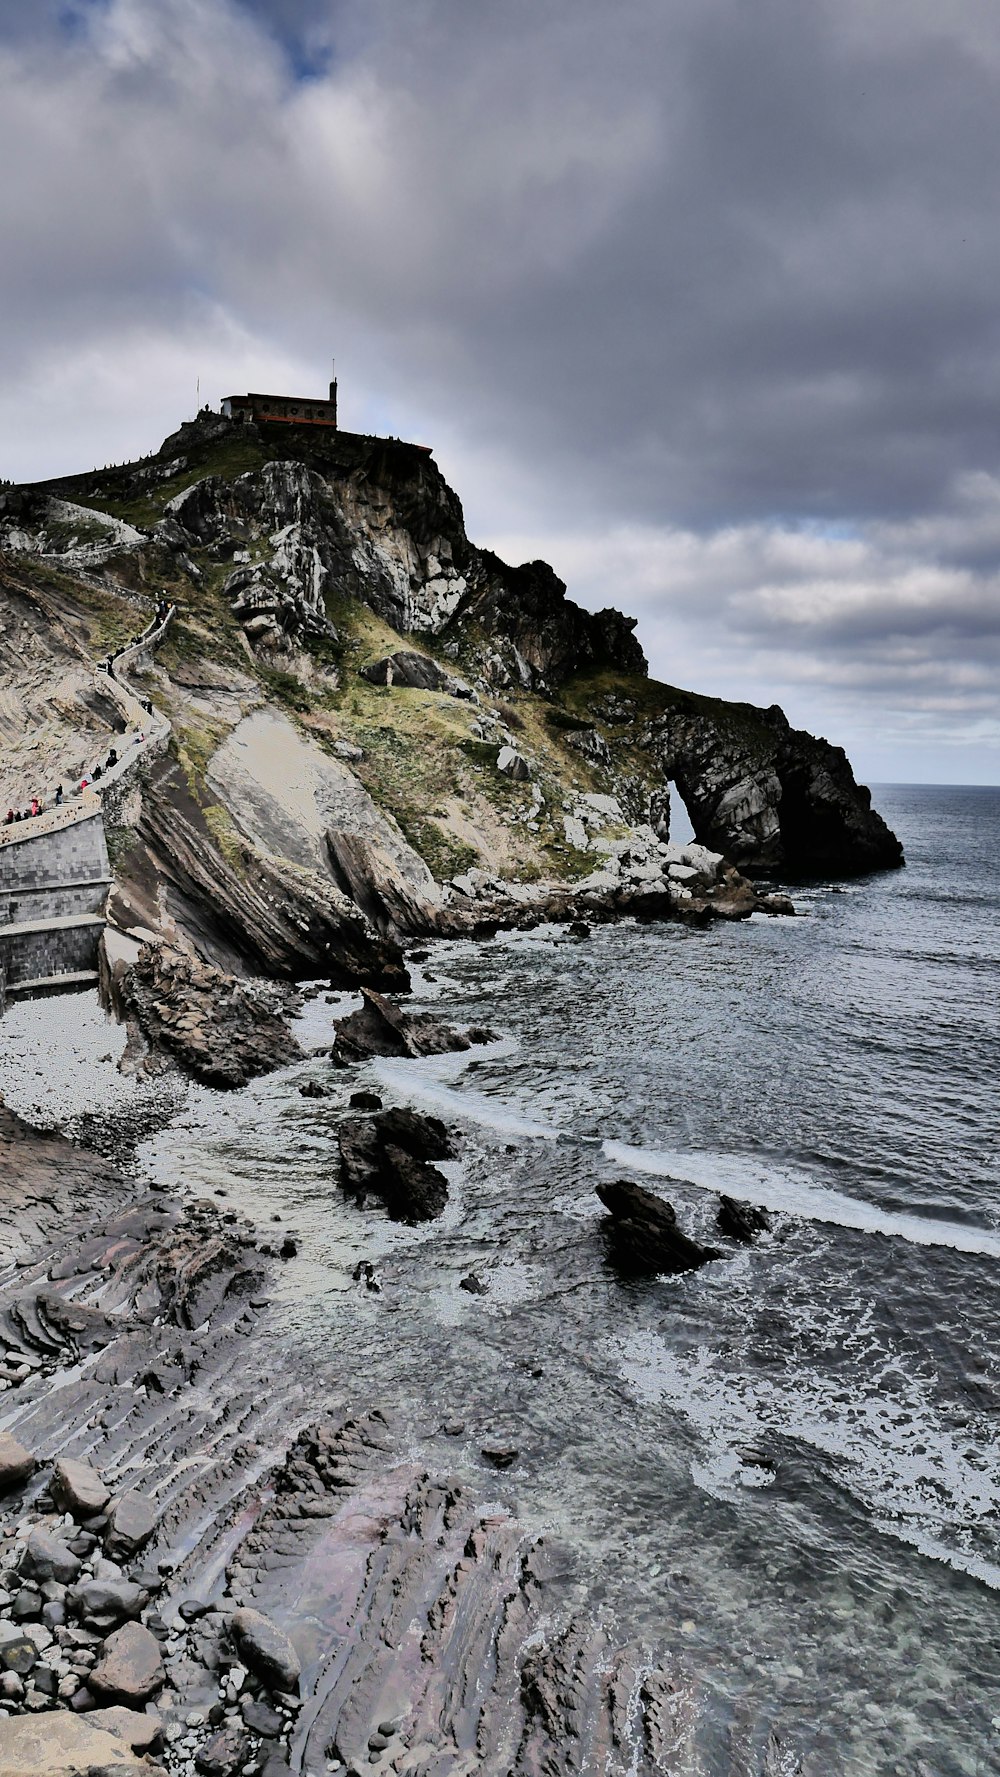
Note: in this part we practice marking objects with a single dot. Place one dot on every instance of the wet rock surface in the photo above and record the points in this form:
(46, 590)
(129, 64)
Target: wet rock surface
(310, 1597)
(742, 1221)
(390, 1156)
(642, 1233)
(382, 1028)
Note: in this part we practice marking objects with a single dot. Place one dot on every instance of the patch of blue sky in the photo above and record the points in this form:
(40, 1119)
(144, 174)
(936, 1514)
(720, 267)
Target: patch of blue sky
(74, 17)
(303, 29)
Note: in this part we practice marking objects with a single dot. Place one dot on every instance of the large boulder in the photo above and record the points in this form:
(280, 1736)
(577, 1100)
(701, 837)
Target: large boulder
(76, 1487)
(642, 1233)
(139, 1729)
(58, 1744)
(47, 1557)
(389, 1156)
(265, 1649)
(130, 1669)
(418, 671)
(382, 1028)
(17, 1464)
(221, 1030)
(103, 1604)
(133, 1519)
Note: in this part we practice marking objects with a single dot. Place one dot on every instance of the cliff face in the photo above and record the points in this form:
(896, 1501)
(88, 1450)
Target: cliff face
(373, 722)
(777, 801)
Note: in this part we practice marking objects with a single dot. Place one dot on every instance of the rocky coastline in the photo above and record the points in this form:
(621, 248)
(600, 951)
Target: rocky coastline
(202, 1578)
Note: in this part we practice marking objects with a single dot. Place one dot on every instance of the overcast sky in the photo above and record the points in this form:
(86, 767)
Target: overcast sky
(698, 299)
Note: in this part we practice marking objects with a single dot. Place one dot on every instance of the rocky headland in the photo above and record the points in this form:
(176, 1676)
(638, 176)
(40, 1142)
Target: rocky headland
(364, 733)
(366, 729)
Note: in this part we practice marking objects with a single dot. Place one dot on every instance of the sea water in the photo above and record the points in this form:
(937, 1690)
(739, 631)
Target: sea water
(778, 1474)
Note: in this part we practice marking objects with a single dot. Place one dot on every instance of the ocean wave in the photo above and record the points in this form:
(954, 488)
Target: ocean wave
(796, 1195)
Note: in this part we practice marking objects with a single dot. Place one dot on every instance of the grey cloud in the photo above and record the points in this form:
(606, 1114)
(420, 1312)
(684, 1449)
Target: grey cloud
(714, 276)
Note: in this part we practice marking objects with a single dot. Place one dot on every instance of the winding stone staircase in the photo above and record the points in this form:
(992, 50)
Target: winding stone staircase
(54, 868)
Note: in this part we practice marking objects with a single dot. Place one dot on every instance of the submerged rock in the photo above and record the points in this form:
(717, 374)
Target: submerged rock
(643, 1235)
(381, 1028)
(389, 1156)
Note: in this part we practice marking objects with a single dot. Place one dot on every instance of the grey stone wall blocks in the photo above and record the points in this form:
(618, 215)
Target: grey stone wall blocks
(55, 871)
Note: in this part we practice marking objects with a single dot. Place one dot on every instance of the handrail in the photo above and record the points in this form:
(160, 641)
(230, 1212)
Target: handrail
(82, 804)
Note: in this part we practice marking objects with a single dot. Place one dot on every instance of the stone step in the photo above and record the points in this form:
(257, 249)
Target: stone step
(73, 980)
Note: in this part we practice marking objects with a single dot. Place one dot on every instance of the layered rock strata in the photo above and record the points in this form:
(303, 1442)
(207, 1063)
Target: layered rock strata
(308, 1596)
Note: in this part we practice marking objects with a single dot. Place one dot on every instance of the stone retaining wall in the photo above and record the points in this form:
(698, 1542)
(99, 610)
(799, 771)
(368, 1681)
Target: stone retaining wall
(54, 869)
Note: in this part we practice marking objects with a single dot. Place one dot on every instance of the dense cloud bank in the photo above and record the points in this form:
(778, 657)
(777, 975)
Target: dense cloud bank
(697, 299)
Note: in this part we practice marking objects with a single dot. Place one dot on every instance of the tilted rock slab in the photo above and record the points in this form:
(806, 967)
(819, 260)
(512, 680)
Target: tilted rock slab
(58, 1744)
(78, 1488)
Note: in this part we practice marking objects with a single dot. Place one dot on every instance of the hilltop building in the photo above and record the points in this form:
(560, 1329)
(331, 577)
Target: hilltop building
(289, 410)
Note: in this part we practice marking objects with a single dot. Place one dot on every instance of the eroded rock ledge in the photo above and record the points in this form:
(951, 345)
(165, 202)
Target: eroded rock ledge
(235, 1582)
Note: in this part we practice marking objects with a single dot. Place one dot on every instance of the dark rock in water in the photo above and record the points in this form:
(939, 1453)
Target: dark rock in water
(411, 1189)
(365, 1101)
(643, 1235)
(265, 1649)
(365, 1272)
(389, 1156)
(473, 1284)
(313, 1089)
(741, 1221)
(500, 1455)
(380, 1028)
(425, 1137)
(17, 1464)
(578, 928)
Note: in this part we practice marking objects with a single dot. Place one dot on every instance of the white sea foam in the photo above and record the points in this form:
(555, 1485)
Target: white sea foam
(924, 1481)
(427, 1080)
(797, 1195)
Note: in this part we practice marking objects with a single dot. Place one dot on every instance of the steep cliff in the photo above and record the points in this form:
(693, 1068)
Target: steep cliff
(376, 727)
